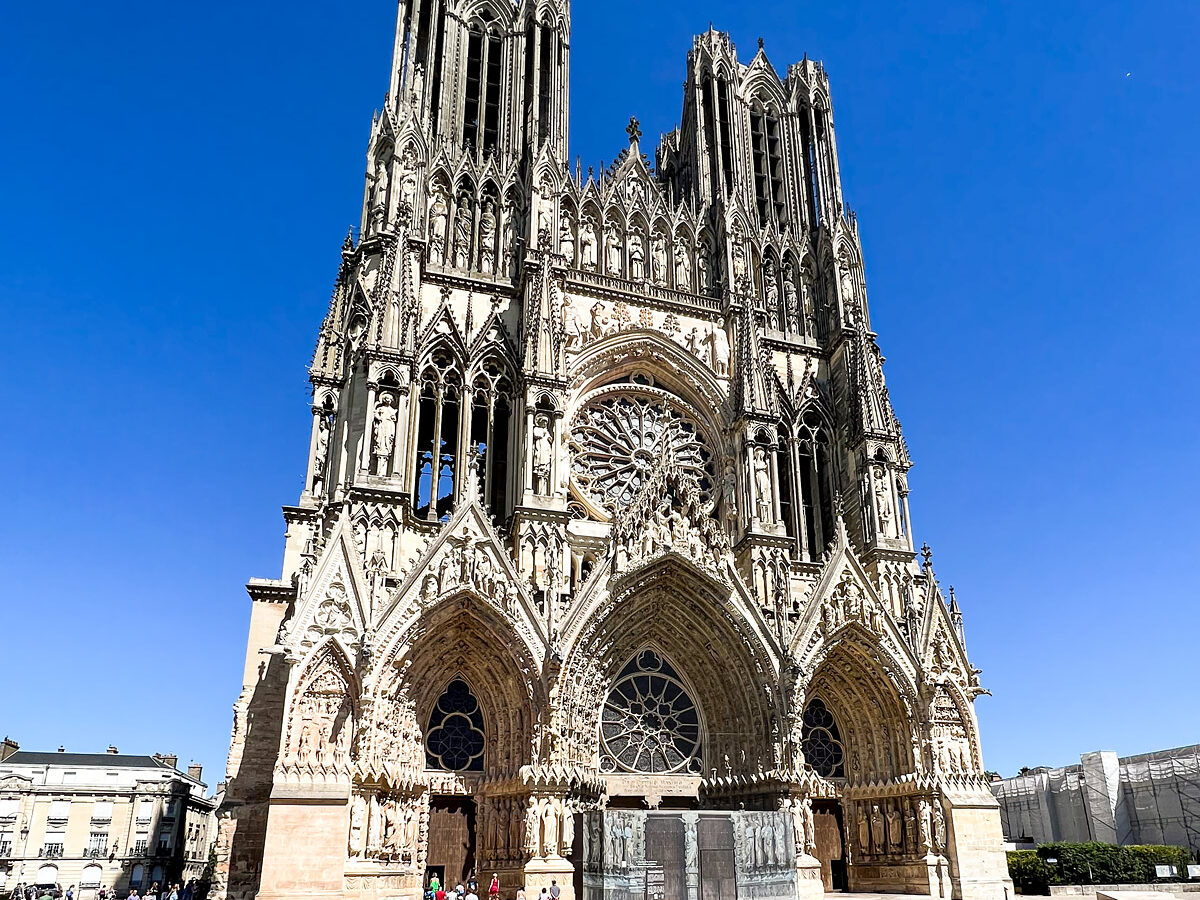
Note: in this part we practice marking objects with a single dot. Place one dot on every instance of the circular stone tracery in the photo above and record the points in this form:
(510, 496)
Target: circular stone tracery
(649, 724)
(618, 439)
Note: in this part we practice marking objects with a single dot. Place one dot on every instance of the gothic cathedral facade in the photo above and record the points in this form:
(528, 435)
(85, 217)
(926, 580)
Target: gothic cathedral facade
(603, 572)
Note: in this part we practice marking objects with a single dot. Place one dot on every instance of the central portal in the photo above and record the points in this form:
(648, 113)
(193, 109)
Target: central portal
(451, 840)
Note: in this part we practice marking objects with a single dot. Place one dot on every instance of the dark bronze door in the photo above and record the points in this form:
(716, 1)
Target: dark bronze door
(451, 839)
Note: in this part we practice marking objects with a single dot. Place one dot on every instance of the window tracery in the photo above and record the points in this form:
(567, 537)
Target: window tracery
(619, 439)
(649, 723)
(455, 738)
(437, 436)
(491, 415)
(822, 742)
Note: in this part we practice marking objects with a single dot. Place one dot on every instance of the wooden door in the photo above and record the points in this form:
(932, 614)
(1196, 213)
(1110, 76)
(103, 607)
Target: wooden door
(827, 819)
(718, 868)
(451, 839)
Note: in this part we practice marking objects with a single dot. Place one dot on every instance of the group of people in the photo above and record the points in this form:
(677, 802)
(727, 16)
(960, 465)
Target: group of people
(470, 891)
(54, 892)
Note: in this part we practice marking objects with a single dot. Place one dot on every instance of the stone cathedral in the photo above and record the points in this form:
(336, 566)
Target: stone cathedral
(603, 574)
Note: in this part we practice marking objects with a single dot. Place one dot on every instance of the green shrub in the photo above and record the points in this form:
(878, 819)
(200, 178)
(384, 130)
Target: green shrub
(1030, 873)
(1096, 863)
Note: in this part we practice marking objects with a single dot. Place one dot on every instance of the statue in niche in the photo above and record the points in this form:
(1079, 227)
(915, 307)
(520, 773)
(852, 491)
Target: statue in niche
(612, 252)
(587, 245)
(738, 252)
(703, 260)
(542, 453)
(379, 193)
(864, 831)
(893, 829)
(770, 287)
(718, 351)
(806, 299)
(658, 260)
(358, 813)
(385, 433)
(883, 500)
(439, 217)
(637, 257)
(408, 182)
(791, 304)
(683, 269)
(849, 297)
(392, 834)
(462, 232)
(573, 331)
(487, 239)
(320, 453)
(507, 246)
(910, 827)
(729, 496)
(762, 484)
(877, 836)
(566, 240)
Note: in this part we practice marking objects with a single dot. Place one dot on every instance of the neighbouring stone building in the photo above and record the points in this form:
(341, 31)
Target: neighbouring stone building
(95, 820)
(602, 572)
(1151, 798)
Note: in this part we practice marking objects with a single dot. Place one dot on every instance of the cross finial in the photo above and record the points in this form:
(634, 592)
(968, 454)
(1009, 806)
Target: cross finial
(634, 131)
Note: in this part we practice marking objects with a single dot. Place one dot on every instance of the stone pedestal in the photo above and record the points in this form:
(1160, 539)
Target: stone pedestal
(542, 873)
(975, 848)
(300, 860)
(808, 878)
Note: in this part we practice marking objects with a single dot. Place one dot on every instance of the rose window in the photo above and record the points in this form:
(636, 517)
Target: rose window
(649, 724)
(454, 741)
(619, 439)
(822, 744)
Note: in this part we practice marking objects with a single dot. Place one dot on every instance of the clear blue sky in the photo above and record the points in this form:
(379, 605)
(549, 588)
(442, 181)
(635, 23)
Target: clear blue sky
(176, 183)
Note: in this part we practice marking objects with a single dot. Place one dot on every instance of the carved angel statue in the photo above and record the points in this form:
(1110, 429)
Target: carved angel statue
(683, 269)
(612, 252)
(439, 215)
(587, 245)
(658, 260)
(637, 257)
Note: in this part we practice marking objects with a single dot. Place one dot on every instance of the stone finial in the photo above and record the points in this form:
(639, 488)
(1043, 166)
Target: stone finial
(634, 131)
(926, 556)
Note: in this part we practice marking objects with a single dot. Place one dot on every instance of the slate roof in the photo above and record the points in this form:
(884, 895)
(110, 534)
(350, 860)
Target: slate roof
(99, 760)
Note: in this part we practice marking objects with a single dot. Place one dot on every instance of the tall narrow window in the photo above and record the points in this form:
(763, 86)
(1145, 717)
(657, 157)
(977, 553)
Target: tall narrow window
(436, 463)
(491, 415)
(810, 169)
(470, 135)
(527, 97)
(491, 111)
(787, 505)
(435, 77)
(726, 132)
(544, 86)
(814, 476)
(758, 155)
(708, 110)
(774, 149)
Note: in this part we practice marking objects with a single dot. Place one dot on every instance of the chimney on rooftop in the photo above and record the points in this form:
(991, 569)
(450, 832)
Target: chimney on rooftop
(194, 771)
(7, 748)
(167, 759)
(112, 748)
(62, 749)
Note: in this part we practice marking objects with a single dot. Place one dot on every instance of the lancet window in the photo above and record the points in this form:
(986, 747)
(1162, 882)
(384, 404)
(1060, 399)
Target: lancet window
(491, 416)
(649, 723)
(481, 109)
(438, 414)
(767, 155)
(455, 738)
(814, 472)
(822, 742)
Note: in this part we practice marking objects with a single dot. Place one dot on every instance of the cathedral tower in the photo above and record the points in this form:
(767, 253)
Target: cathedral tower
(602, 572)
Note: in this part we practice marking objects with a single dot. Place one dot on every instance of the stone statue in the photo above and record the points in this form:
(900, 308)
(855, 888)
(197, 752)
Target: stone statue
(379, 192)
(718, 351)
(683, 269)
(740, 276)
(507, 231)
(542, 452)
(883, 501)
(791, 307)
(864, 832)
(612, 252)
(462, 232)
(566, 240)
(358, 813)
(702, 267)
(876, 829)
(770, 288)
(893, 829)
(487, 239)
(439, 215)
(587, 245)
(320, 453)
(637, 257)
(385, 433)
(658, 260)
(601, 324)
(762, 485)
(692, 342)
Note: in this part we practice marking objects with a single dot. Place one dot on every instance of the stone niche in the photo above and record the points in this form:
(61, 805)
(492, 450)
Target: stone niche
(648, 855)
